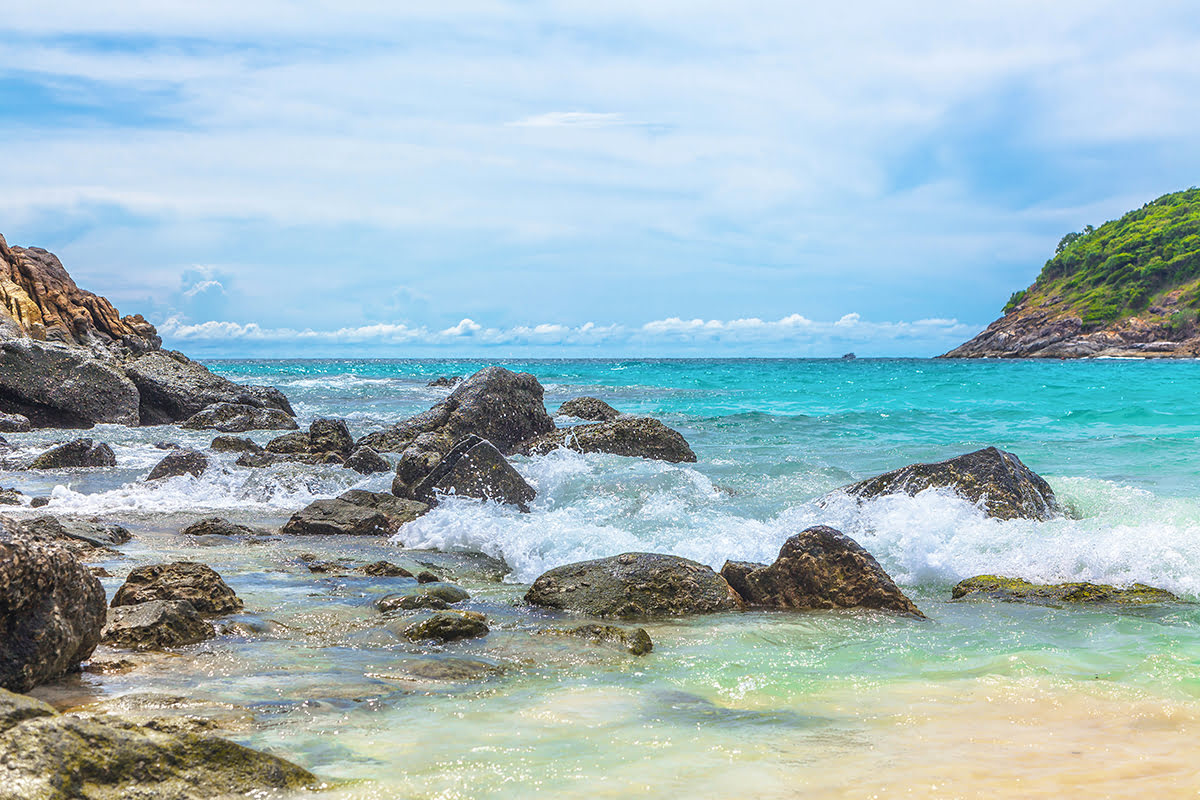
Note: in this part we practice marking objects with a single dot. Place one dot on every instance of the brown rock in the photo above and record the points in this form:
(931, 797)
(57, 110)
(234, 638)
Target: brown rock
(199, 584)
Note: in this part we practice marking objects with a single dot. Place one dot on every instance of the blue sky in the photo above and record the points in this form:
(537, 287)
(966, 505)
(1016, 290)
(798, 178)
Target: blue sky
(578, 179)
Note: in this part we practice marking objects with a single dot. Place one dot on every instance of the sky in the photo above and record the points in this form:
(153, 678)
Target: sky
(650, 178)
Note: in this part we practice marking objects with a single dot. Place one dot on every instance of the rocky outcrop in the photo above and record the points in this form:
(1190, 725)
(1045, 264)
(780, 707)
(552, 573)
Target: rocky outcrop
(239, 418)
(448, 626)
(992, 478)
(503, 407)
(51, 611)
(445, 381)
(995, 587)
(639, 437)
(634, 585)
(68, 359)
(180, 462)
(78, 454)
(155, 625)
(820, 568)
(45, 755)
(199, 584)
(592, 409)
(472, 468)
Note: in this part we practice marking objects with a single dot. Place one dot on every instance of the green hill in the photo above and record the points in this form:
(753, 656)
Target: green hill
(1126, 266)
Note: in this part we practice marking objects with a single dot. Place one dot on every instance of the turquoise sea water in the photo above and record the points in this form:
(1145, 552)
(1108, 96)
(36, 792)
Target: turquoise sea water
(982, 699)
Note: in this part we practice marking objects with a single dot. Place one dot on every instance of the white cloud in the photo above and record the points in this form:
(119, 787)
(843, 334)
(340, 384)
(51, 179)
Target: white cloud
(570, 119)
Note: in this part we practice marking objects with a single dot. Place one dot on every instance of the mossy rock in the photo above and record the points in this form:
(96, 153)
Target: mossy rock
(997, 587)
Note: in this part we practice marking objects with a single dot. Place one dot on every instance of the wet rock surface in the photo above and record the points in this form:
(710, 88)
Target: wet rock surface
(472, 468)
(996, 587)
(234, 444)
(77, 454)
(366, 461)
(589, 408)
(337, 517)
(634, 585)
(155, 625)
(639, 437)
(448, 626)
(51, 610)
(398, 510)
(219, 526)
(819, 568)
(239, 418)
(199, 584)
(997, 480)
(179, 462)
(14, 423)
(81, 537)
(635, 641)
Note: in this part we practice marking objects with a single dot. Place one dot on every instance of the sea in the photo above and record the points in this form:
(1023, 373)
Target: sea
(981, 699)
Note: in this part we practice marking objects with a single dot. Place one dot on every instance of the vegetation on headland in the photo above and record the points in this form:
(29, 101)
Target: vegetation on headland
(1127, 266)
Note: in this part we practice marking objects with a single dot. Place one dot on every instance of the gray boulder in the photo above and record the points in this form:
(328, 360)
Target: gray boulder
(589, 408)
(234, 444)
(1006, 488)
(179, 462)
(83, 538)
(155, 625)
(819, 568)
(172, 387)
(64, 386)
(14, 423)
(337, 517)
(45, 755)
(503, 407)
(640, 437)
(51, 611)
(634, 585)
(472, 468)
(217, 526)
(366, 461)
(199, 584)
(398, 510)
(77, 454)
(239, 418)
(10, 497)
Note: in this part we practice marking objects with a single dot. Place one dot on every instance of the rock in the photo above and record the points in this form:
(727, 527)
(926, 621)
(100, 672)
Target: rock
(640, 437)
(290, 444)
(472, 468)
(172, 388)
(425, 576)
(199, 584)
(10, 497)
(335, 516)
(76, 454)
(218, 526)
(45, 755)
(259, 459)
(39, 502)
(636, 641)
(385, 569)
(995, 587)
(735, 572)
(410, 602)
(366, 461)
(820, 568)
(445, 380)
(234, 444)
(51, 611)
(446, 669)
(155, 625)
(589, 408)
(327, 441)
(238, 418)
(180, 462)
(997, 480)
(398, 510)
(83, 538)
(63, 386)
(14, 423)
(495, 404)
(166, 446)
(634, 585)
(448, 626)
(330, 436)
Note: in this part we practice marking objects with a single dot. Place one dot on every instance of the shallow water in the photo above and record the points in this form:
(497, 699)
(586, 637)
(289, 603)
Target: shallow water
(981, 699)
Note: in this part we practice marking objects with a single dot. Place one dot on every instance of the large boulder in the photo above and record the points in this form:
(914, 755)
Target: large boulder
(472, 468)
(592, 409)
(155, 625)
(634, 585)
(366, 461)
(239, 418)
(64, 386)
(172, 387)
(199, 584)
(51, 611)
(398, 510)
(819, 568)
(640, 437)
(179, 462)
(1006, 488)
(503, 407)
(45, 755)
(77, 454)
(327, 441)
(337, 517)
(996, 587)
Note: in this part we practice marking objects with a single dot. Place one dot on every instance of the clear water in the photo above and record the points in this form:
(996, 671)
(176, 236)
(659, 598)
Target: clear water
(982, 699)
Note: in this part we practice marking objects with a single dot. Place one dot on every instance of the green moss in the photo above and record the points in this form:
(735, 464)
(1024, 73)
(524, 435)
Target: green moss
(998, 587)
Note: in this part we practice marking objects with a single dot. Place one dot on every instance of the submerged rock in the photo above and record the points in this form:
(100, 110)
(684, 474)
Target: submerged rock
(366, 461)
(199, 584)
(51, 611)
(451, 669)
(385, 569)
(995, 587)
(14, 423)
(45, 755)
(155, 625)
(448, 626)
(180, 462)
(634, 585)
(76, 454)
(819, 568)
(636, 641)
(997, 480)
(239, 418)
(472, 468)
(219, 526)
(503, 407)
(589, 408)
(428, 595)
(639, 437)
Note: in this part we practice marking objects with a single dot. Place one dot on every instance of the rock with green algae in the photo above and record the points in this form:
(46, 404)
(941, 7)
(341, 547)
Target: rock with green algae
(448, 626)
(1005, 487)
(636, 641)
(996, 587)
(45, 755)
